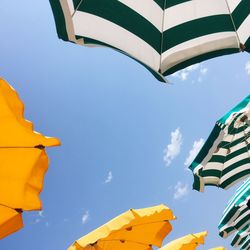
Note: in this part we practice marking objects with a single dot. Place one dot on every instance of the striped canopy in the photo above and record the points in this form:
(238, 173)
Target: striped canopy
(225, 157)
(236, 216)
(242, 237)
(163, 35)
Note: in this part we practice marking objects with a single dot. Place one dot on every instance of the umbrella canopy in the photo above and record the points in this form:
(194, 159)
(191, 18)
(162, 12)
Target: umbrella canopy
(236, 216)
(10, 221)
(137, 229)
(24, 161)
(188, 242)
(241, 237)
(155, 33)
(225, 157)
(246, 244)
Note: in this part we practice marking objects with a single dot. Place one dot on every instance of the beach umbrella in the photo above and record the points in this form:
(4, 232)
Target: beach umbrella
(188, 242)
(137, 229)
(236, 216)
(225, 157)
(10, 221)
(246, 244)
(164, 36)
(24, 161)
(241, 237)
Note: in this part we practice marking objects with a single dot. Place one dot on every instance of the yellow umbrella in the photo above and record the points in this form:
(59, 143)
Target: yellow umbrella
(10, 221)
(188, 242)
(136, 229)
(24, 161)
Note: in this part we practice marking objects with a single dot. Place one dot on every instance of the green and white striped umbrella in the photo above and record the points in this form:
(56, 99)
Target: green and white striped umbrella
(163, 35)
(225, 157)
(246, 244)
(241, 237)
(236, 216)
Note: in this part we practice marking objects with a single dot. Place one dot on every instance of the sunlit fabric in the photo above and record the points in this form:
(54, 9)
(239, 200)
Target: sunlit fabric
(137, 229)
(236, 216)
(10, 221)
(24, 161)
(165, 36)
(188, 242)
(224, 159)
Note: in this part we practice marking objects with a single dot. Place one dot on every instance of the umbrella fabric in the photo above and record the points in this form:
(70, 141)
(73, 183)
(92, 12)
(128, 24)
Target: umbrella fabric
(154, 33)
(188, 242)
(236, 216)
(241, 237)
(137, 229)
(225, 157)
(246, 244)
(10, 221)
(24, 161)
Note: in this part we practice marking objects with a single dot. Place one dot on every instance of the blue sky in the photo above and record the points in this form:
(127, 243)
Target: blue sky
(115, 121)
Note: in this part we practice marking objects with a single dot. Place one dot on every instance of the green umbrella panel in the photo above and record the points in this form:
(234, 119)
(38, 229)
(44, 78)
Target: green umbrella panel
(155, 33)
(241, 237)
(225, 157)
(236, 216)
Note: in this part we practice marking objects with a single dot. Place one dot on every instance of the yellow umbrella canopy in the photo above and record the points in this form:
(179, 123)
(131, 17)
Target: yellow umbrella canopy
(188, 242)
(24, 161)
(10, 221)
(137, 229)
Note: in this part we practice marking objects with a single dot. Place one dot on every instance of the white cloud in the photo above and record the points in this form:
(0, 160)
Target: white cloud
(85, 217)
(109, 177)
(184, 73)
(174, 148)
(194, 151)
(181, 190)
(247, 67)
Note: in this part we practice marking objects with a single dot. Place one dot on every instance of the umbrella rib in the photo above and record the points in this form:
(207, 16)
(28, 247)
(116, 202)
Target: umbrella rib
(228, 153)
(162, 31)
(77, 7)
(237, 35)
(131, 241)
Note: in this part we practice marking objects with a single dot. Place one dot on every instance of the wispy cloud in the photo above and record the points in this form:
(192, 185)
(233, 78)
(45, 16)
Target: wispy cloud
(109, 177)
(174, 148)
(180, 190)
(85, 217)
(197, 145)
(185, 73)
(247, 67)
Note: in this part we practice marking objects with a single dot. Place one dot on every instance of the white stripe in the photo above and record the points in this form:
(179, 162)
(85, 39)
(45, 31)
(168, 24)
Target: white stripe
(105, 31)
(198, 46)
(244, 30)
(233, 4)
(148, 9)
(192, 10)
(234, 172)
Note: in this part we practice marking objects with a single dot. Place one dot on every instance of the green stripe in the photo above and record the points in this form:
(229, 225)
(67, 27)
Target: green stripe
(76, 3)
(206, 147)
(88, 40)
(59, 20)
(200, 58)
(223, 159)
(171, 3)
(247, 45)
(236, 109)
(235, 177)
(227, 144)
(241, 12)
(196, 28)
(161, 3)
(127, 19)
(211, 173)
